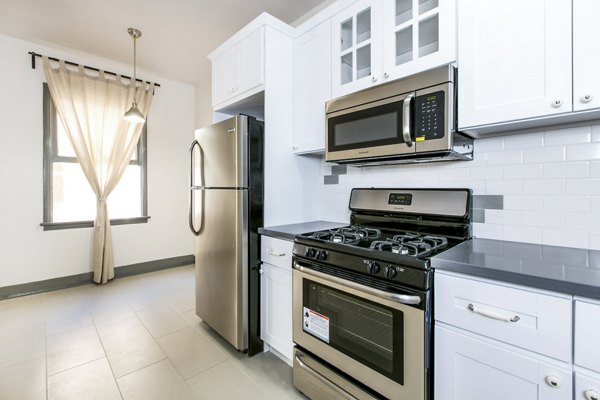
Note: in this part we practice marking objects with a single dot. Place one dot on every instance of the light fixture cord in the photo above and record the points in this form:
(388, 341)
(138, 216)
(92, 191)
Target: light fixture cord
(134, 71)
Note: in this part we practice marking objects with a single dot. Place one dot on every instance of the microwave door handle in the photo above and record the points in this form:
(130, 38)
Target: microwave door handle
(406, 120)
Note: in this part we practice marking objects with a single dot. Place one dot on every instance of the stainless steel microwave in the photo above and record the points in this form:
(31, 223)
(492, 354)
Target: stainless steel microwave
(409, 120)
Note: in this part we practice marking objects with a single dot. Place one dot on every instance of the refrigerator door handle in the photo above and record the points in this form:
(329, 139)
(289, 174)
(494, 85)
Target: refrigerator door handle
(195, 187)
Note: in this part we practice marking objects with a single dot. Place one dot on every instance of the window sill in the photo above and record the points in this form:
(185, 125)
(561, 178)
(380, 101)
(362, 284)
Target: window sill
(53, 226)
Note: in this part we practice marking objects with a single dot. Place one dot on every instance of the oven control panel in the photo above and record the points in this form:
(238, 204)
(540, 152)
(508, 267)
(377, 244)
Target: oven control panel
(404, 199)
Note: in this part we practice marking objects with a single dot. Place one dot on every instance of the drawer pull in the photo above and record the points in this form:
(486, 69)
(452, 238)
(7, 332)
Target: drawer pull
(493, 315)
(591, 394)
(272, 252)
(553, 381)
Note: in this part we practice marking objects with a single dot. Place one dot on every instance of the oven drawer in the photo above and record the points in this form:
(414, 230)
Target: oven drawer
(276, 252)
(318, 381)
(527, 319)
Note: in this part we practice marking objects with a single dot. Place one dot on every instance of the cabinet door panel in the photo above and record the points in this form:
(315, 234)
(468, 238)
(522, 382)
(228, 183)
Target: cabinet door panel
(276, 309)
(312, 87)
(587, 328)
(223, 76)
(471, 369)
(250, 61)
(514, 60)
(586, 54)
(586, 387)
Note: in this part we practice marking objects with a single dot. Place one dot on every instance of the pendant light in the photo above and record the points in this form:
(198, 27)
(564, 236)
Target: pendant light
(134, 114)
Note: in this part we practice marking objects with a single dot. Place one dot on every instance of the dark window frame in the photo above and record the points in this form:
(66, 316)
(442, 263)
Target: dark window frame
(51, 156)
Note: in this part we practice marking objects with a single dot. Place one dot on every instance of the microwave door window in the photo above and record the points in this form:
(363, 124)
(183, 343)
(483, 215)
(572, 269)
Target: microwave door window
(371, 127)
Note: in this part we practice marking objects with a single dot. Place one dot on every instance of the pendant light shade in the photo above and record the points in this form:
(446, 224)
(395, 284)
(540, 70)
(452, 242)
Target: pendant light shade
(134, 114)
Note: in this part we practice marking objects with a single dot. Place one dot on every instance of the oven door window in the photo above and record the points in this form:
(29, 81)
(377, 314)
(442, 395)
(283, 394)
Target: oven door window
(372, 127)
(368, 332)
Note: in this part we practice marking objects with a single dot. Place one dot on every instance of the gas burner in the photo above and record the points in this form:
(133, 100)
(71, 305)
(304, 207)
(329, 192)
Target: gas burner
(390, 246)
(364, 233)
(350, 238)
(424, 245)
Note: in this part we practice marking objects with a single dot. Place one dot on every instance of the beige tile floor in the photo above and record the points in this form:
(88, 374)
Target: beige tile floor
(135, 338)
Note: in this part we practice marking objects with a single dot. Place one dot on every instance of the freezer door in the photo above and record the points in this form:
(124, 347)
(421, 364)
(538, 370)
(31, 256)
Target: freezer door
(224, 157)
(222, 264)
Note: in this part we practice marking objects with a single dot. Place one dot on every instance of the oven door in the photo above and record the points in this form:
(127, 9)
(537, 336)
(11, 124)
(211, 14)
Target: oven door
(366, 333)
(377, 129)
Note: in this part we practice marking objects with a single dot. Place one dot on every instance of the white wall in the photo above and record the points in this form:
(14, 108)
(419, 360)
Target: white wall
(27, 253)
(550, 182)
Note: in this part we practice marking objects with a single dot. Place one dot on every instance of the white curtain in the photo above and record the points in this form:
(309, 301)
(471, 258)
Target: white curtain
(91, 109)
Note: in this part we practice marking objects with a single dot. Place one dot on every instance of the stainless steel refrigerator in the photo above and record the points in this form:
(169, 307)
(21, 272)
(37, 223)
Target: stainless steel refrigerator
(226, 209)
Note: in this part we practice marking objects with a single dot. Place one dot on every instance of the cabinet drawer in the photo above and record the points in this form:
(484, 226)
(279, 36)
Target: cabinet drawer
(533, 321)
(587, 329)
(586, 387)
(276, 252)
(471, 368)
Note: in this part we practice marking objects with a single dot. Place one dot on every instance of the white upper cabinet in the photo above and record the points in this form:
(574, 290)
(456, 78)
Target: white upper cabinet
(586, 54)
(514, 60)
(374, 41)
(238, 71)
(417, 35)
(312, 87)
(356, 47)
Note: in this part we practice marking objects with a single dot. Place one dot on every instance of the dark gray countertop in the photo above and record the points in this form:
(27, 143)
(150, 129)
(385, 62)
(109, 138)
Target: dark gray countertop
(559, 269)
(288, 232)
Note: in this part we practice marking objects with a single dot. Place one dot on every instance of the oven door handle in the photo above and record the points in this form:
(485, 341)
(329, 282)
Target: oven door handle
(323, 379)
(395, 297)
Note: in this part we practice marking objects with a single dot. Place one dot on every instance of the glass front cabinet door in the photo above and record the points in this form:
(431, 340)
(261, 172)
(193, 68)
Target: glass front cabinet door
(375, 41)
(356, 38)
(417, 35)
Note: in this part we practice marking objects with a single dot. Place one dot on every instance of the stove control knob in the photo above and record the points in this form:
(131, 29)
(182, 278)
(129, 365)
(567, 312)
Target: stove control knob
(390, 272)
(321, 255)
(310, 253)
(373, 268)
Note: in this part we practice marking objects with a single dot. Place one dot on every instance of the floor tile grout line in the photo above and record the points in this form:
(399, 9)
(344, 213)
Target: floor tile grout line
(202, 372)
(75, 366)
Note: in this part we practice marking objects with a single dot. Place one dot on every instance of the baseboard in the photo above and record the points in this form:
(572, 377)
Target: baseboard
(85, 278)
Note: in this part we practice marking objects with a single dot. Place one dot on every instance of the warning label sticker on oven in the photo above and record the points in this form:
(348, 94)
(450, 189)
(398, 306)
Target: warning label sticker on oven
(315, 324)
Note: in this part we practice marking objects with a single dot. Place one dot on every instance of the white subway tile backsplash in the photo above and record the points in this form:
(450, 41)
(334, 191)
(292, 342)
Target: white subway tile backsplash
(518, 202)
(567, 136)
(520, 233)
(544, 154)
(504, 217)
(549, 183)
(587, 221)
(454, 174)
(524, 141)
(489, 144)
(506, 157)
(586, 151)
(544, 219)
(487, 231)
(567, 203)
(595, 169)
(594, 240)
(504, 187)
(544, 186)
(523, 171)
(575, 169)
(596, 204)
(596, 133)
(565, 237)
(484, 173)
(585, 187)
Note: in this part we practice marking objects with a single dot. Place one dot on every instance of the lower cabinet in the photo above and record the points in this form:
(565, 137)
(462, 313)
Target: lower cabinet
(276, 309)
(472, 368)
(586, 386)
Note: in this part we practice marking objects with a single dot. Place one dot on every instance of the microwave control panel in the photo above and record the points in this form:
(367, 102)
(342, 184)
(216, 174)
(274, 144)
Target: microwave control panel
(430, 116)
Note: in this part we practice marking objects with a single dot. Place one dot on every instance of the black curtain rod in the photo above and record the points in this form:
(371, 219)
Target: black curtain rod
(34, 55)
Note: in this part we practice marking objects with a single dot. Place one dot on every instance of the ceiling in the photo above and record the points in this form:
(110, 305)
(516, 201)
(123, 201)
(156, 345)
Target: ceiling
(176, 37)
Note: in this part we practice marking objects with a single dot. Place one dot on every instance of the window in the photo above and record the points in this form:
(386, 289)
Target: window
(69, 201)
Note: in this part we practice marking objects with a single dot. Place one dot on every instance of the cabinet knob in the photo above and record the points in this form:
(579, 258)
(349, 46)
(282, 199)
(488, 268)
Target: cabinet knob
(591, 394)
(260, 271)
(553, 380)
(386, 75)
(557, 103)
(373, 78)
(586, 98)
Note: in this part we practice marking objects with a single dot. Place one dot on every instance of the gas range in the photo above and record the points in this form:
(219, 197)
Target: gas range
(363, 292)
